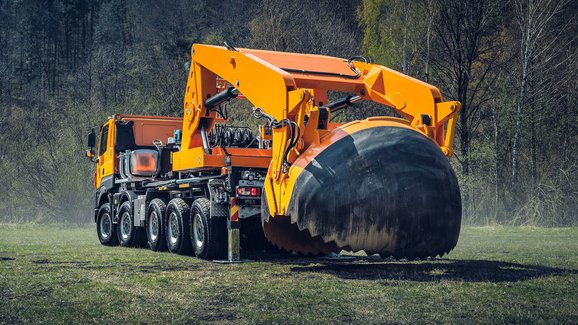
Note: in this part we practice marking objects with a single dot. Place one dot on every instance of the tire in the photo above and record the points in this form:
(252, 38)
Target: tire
(155, 226)
(105, 229)
(177, 227)
(128, 235)
(208, 235)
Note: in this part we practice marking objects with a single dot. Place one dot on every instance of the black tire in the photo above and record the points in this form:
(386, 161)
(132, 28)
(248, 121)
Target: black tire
(128, 235)
(155, 225)
(177, 227)
(208, 235)
(105, 229)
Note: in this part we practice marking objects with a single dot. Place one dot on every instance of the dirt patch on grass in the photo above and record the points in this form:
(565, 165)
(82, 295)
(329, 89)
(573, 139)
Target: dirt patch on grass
(142, 268)
(161, 267)
(45, 261)
(42, 292)
(219, 306)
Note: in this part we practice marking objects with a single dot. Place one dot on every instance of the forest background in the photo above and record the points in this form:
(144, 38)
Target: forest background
(66, 65)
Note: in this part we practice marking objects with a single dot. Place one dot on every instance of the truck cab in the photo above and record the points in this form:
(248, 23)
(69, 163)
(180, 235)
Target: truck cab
(127, 132)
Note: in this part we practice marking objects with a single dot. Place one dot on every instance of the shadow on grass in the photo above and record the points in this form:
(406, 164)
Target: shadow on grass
(432, 271)
(142, 267)
(357, 268)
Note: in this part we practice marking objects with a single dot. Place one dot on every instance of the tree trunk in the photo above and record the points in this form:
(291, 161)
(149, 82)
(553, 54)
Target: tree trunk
(497, 164)
(465, 144)
(519, 105)
(534, 120)
(428, 42)
(405, 27)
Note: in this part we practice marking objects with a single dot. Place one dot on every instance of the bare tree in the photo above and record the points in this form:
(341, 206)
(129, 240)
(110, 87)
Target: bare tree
(429, 7)
(537, 42)
(325, 28)
(469, 54)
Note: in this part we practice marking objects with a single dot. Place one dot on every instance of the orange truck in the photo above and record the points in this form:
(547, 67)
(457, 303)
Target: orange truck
(304, 184)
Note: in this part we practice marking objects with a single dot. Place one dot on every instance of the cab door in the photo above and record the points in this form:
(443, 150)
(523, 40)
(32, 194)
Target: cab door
(104, 173)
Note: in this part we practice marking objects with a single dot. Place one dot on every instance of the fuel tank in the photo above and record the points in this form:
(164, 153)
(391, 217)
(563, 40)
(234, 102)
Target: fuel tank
(374, 185)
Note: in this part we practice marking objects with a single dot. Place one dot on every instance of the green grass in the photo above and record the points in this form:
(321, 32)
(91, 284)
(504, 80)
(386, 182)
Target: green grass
(495, 275)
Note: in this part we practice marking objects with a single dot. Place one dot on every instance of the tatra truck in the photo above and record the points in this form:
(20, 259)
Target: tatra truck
(300, 182)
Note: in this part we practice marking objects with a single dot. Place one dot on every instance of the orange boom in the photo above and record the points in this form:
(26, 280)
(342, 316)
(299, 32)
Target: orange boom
(305, 184)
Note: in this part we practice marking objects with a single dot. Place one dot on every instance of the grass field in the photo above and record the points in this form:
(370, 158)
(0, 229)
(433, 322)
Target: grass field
(495, 275)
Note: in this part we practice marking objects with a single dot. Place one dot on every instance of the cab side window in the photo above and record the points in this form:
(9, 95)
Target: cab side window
(103, 140)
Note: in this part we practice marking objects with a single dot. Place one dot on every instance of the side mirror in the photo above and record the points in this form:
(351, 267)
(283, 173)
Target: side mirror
(90, 152)
(91, 139)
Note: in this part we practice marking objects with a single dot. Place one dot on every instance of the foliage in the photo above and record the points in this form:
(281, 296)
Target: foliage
(67, 65)
(515, 154)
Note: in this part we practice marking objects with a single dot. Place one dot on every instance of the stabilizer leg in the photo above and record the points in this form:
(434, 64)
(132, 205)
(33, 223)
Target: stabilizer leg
(233, 235)
(233, 229)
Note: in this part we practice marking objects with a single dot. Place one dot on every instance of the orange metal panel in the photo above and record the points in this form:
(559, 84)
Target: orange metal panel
(196, 158)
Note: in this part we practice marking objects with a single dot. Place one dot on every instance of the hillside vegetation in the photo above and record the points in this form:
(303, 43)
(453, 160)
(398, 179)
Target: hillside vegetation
(67, 65)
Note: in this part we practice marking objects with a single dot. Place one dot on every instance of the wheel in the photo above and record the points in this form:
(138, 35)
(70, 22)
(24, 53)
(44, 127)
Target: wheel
(155, 225)
(177, 227)
(208, 235)
(128, 235)
(105, 229)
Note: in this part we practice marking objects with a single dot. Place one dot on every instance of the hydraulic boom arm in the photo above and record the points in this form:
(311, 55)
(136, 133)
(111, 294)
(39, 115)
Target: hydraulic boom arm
(291, 91)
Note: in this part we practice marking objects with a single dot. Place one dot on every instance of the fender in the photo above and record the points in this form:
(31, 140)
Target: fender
(107, 184)
(120, 198)
(102, 196)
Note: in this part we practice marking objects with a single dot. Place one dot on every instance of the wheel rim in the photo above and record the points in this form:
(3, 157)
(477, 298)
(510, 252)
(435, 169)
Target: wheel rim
(153, 226)
(125, 226)
(198, 230)
(105, 226)
(174, 231)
